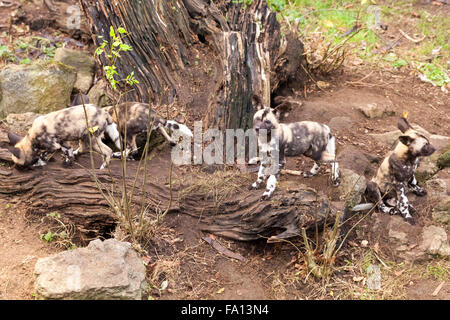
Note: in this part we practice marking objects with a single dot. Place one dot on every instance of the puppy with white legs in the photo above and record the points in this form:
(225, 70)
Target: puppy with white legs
(133, 118)
(307, 138)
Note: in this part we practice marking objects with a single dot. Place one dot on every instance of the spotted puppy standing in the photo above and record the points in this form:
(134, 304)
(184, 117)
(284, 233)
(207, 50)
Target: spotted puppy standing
(307, 138)
(132, 118)
(53, 131)
(396, 173)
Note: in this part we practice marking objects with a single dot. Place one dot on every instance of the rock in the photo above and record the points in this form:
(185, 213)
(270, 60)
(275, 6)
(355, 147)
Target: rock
(340, 123)
(40, 87)
(372, 110)
(20, 123)
(103, 270)
(98, 94)
(434, 241)
(83, 63)
(403, 237)
(352, 186)
(351, 158)
(438, 189)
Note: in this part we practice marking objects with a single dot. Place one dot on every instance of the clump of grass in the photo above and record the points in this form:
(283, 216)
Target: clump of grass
(217, 186)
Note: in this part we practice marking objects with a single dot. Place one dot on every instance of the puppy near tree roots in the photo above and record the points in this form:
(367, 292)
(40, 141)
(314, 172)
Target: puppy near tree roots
(307, 138)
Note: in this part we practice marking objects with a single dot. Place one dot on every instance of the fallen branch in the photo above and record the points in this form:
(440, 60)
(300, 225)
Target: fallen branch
(292, 172)
(222, 249)
(439, 287)
(409, 38)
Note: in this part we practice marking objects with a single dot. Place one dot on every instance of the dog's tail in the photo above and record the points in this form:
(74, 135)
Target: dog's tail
(113, 133)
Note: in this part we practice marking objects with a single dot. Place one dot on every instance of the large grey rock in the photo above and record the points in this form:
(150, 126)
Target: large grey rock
(83, 63)
(438, 189)
(352, 186)
(350, 157)
(435, 242)
(103, 270)
(40, 87)
(98, 94)
(373, 110)
(21, 122)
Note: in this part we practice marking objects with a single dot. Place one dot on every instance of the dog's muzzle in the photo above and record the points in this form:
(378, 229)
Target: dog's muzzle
(428, 150)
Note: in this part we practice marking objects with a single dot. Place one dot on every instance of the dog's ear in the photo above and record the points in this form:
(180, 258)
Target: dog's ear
(406, 140)
(15, 151)
(257, 102)
(277, 112)
(14, 138)
(403, 124)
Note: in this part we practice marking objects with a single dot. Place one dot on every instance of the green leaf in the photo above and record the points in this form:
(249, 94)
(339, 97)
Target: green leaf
(400, 63)
(125, 47)
(112, 34)
(121, 30)
(48, 236)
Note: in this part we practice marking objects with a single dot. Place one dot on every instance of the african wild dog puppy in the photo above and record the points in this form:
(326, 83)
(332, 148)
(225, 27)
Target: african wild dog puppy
(53, 131)
(396, 173)
(132, 118)
(307, 138)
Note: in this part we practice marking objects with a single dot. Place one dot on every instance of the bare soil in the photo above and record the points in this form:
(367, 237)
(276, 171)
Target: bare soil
(177, 253)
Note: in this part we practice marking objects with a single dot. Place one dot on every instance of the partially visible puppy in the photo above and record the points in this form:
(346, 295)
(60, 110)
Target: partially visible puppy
(52, 131)
(79, 99)
(396, 173)
(307, 138)
(133, 118)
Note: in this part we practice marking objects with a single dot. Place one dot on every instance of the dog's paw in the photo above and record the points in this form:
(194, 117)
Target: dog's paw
(337, 182)
(421, 192)
(264, 197)
(117, 154)
(254, 186)
(254, 160)
(393, 211)
(68, 162)
(307, 174)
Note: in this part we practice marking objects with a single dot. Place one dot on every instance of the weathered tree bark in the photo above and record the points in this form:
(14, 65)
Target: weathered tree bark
(240, 215)
(245, 47)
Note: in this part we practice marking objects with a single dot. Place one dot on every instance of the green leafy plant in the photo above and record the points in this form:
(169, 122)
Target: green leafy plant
(6, 54)
(120, 202)
(112, 49)
(244, 3)
(60, 234)
(434, 73)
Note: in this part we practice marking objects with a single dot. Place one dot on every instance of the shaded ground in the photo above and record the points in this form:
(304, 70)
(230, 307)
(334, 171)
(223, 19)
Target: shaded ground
(176, 252)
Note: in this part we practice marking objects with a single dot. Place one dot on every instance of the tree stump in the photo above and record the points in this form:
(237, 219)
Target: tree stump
(245, 44)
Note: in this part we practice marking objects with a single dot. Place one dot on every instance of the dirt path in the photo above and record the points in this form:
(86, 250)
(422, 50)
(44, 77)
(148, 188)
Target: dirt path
(20, 247)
